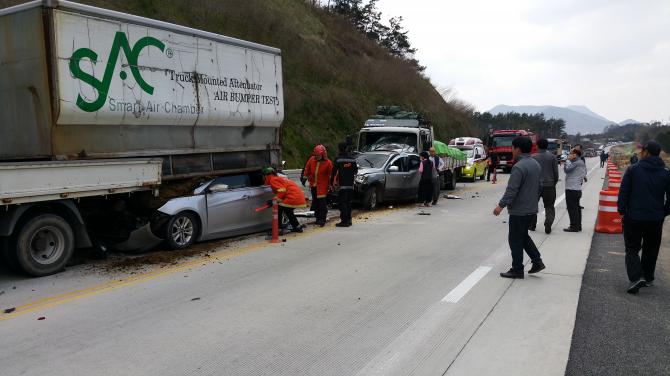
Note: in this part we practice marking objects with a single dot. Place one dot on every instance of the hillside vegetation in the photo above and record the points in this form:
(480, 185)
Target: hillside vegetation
(334, 77)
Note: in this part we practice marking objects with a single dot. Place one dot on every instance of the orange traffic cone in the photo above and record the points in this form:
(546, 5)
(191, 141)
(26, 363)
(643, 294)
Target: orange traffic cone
(609, 220)
(613, 184)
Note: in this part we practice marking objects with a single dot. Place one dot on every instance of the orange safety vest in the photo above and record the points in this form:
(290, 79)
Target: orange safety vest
(318, 173)
(287, 193)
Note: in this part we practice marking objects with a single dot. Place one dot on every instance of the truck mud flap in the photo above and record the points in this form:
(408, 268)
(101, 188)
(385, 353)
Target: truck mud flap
(140, 240)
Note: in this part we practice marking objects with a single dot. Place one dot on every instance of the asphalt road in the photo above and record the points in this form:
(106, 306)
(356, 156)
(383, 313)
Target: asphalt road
(403, 291)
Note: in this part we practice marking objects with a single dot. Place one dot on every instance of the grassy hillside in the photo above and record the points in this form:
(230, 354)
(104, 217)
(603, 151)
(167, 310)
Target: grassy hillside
(333, 76)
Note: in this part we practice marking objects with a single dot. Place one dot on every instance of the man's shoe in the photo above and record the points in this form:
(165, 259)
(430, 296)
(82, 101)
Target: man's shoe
(536, 268)
(512, 274)
(296, 229)
(342, 224)
(648, 283)
(547, 229)
(531, 228)
(635, 286)
(571, 229)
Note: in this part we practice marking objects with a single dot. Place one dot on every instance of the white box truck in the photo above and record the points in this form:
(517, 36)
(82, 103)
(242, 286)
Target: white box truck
(101, 109)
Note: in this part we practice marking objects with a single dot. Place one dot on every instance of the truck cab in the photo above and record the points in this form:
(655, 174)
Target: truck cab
(500, 142)
(394, 134)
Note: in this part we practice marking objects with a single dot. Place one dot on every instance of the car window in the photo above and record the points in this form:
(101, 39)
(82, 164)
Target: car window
(234, 181)
(399, 163)
(414, 162)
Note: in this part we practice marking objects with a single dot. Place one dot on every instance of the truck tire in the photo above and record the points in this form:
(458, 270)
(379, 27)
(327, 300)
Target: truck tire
(371, 199)
(181, 230)
(43, 245)
(450, 181)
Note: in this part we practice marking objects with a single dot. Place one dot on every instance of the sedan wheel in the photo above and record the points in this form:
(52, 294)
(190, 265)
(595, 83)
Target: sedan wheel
(181, 230)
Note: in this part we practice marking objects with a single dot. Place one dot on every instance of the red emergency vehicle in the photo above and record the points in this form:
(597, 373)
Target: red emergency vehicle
(500, 142)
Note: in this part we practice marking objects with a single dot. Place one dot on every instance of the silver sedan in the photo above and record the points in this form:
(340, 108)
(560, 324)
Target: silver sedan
(221, 207)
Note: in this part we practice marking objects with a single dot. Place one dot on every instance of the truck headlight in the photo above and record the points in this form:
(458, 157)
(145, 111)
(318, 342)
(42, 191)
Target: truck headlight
(360, 179)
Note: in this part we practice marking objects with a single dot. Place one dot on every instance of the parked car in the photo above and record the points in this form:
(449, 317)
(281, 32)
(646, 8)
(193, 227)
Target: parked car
(386, 176)
(221, 207)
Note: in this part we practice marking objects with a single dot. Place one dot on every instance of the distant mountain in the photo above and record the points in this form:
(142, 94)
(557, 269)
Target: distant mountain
(578, 119)
(629, 121)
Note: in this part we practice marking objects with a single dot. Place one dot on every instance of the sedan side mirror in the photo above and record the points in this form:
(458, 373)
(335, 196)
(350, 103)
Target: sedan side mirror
(216, 188)
(394, 169)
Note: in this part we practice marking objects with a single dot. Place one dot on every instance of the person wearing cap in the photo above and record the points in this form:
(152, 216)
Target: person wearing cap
(318, 171)
(344, 173)
(288, 195)
(303, 181)
(575, 175)
(644, 202)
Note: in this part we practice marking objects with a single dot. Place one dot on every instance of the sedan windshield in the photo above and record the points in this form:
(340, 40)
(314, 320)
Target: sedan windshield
(371, 160)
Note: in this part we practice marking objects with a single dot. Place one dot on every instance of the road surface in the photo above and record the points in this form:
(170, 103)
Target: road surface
(399, 293)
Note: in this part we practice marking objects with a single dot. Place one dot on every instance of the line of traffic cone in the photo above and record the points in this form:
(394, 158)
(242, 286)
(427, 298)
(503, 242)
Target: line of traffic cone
(609, 219)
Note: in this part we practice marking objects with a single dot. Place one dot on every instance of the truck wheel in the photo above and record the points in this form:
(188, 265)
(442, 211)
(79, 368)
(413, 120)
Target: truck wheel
(370, 200)
(43, 245)
(450, 181)
(181, 230)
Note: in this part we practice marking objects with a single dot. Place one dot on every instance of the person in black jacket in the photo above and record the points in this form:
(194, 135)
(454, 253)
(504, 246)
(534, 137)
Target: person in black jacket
(644, 202)
(426, 182)
(344, 173)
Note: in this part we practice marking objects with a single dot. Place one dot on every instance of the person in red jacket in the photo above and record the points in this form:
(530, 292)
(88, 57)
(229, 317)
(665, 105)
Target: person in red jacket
(288, 194)
(318, 170)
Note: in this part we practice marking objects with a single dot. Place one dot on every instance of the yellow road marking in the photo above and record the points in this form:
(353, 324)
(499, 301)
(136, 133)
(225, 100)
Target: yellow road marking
(56, 300)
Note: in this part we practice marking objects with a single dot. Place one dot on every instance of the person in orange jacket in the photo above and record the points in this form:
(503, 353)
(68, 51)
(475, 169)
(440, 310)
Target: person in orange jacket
(318, 170)
(288, 194)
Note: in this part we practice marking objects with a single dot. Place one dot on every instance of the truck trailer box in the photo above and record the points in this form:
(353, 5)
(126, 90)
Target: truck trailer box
(79, 82)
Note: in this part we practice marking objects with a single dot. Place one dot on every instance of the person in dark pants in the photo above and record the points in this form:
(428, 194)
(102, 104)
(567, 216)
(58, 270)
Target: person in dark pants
(318, 171)
(438, 164)
(493, 167)
(521, 201)
(644, 202)
(288, 195)
(426, 182)
(603, 159)
(548, 179)
(344, 173)
(575, 172)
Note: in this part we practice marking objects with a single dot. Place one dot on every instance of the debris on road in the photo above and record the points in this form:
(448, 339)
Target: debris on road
(10, 310)
(41, 318)
(423, 213)
(452, 197)
(194, 299)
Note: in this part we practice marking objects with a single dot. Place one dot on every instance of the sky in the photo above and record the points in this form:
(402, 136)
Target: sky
(612, 56)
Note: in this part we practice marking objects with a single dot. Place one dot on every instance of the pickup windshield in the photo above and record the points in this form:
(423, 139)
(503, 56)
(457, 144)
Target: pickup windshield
(372, 141)
(503, 140)
(371, 160)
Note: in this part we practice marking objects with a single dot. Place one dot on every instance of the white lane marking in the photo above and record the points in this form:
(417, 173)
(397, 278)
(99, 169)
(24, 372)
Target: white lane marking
(459, 291)
(562, 197)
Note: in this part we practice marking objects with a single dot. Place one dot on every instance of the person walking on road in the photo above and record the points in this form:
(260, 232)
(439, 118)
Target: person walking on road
(438, 165)
(493, 167)
(644, 202)
(521, 200)
(548, 179)
(344, 173)
(575, 174)
(318, 171)
(288, 195)
(426, 183)
(634, 159)
(603, 158)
